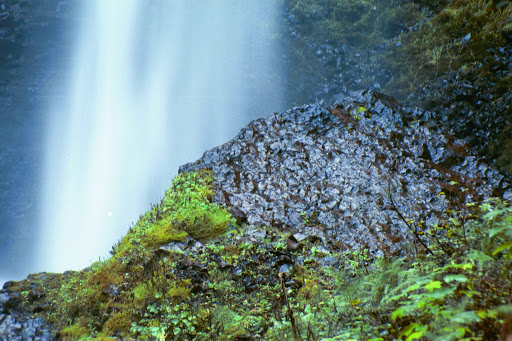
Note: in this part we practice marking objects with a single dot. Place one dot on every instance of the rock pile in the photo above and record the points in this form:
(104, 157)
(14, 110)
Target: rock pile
(358, 170)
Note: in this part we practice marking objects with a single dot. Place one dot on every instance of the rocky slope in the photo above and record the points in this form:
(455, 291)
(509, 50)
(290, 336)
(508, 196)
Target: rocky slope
(449, 57)
(365, 176)
(353, 170)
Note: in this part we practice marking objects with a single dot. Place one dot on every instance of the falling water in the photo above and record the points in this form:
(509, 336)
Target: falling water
(152, 85)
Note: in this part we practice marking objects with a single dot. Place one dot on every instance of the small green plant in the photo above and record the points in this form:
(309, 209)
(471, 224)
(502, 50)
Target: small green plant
(498, 216)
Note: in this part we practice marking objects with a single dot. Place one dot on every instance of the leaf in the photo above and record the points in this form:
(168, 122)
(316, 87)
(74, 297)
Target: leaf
(451, 334)
(415, 336)
(470, 293)
(441, 293)
(421, 304)
(409, 329)
(505, 308)
(479, 256)
(433, 285)
(398, 313)
(355, 302)
(416, 286)
(466, 317)
(494, 213)
(482, 313)
(502, 247)
(413, 331)
(457, 278)
(455, 222)
(464, 266)
(499, 229)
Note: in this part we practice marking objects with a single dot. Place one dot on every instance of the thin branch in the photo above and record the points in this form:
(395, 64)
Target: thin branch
(289, 312)
(405, 221)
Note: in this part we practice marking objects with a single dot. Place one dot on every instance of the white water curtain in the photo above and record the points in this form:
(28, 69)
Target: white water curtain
(151, 86)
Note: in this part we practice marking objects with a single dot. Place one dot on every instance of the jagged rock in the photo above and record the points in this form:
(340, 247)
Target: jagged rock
(347, 174)
(14, 327)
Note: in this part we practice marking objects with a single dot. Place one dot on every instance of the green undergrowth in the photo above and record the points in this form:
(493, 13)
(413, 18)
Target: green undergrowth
(109, 297)
(458, 37)
(461, 294)
(359, 23)
(259, 283)
(425, 38)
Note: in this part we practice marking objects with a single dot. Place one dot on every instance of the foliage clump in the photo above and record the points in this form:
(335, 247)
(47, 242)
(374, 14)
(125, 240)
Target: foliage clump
(119, 297)
(186, 209)
(424, 39)
(462, 295)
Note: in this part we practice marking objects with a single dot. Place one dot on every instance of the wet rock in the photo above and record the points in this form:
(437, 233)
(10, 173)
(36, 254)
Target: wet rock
(345, 174)
(298, 237)
(191, 245)
(173, 246)
(3, 299)
(465, 39)
(290, 245)
(328, 261)
(19, 325)
(285, 268)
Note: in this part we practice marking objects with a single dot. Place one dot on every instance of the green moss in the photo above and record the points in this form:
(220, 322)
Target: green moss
(78, 331)
(186, 209)
(106, 299)
(118, 323)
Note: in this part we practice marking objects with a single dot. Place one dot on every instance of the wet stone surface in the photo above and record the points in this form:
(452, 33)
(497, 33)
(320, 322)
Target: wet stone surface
(348, 172)
(16, 326)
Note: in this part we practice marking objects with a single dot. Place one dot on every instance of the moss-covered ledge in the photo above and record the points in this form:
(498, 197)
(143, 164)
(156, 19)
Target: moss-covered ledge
(108, 297)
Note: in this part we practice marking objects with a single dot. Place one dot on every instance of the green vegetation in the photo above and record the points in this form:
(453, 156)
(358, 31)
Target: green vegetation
(359, 23)
(459, 36)
(231, 287)
(455, 296)
(434, 36)
(159, 285)
(117, 297)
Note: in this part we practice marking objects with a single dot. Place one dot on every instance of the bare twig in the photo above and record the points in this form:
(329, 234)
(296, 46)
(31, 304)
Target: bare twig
(289, 312)
(405, 221)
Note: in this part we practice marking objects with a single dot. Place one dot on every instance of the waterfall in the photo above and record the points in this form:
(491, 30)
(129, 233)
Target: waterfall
(151, 85)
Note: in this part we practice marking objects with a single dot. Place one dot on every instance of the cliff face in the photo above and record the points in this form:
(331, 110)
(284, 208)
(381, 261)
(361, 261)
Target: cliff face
(450, 57)
(315, 191)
